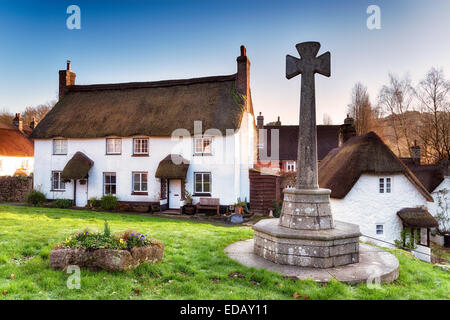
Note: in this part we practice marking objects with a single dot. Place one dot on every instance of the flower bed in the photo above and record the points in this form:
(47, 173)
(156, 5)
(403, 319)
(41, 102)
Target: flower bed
(105, 251)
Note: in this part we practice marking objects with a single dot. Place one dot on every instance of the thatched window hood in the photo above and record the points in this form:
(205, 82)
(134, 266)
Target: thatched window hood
(78, 167)
(417, 218)
(368, 154)
(172, 167)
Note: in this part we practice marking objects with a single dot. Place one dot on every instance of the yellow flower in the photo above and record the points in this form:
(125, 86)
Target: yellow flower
(121, 240)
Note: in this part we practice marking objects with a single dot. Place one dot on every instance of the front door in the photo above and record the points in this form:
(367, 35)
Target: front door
(81, 193)
(174, 193)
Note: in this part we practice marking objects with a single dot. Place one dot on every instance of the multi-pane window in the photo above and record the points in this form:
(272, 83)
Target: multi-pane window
(203, 145)
(379, 229)
(202, 182)
(109, 183)
(59, 146)
(290, 166)
(57, 183)
(1, 165)
(385, 185)
(140, 181)
(24, 164)
(140, 146)
(113, 146)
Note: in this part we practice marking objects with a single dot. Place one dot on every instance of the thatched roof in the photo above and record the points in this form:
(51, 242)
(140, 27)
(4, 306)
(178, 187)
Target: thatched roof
(343, 166)
(14, 143)
(430, 175)
(77, 167)
(144, 108)
(417, 218)
(327, 139)
(172, 167)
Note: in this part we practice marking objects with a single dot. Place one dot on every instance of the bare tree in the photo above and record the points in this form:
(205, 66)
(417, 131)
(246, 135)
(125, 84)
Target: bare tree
(433, 94)
(327, 119)
(37, 112)
(360, 109)
(395, 100)
(6, 116)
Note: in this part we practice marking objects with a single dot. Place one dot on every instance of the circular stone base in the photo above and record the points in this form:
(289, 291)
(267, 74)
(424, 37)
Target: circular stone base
(374, 266)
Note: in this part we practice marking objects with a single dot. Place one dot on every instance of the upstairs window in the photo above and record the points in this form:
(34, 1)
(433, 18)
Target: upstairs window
(290, 166)
(202, 182)
(202, 146)
(113, 146)
(57, 183)
(59, 146)
(385, 185)
(379, 229)
(140, 146)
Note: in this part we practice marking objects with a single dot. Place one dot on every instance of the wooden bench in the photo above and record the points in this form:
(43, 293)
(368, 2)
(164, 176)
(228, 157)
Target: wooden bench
(209, 204)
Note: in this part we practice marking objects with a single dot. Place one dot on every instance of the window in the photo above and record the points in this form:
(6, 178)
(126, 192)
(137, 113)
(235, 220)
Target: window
(139, 181)
(385, 185)
(379, 229)
(113, 146)
(24, 164)
(202, 145)
(140, 146)
(202, 182)
(109, 183)
(290, 166)
(59, 146)
(57, 184)
(1, 165)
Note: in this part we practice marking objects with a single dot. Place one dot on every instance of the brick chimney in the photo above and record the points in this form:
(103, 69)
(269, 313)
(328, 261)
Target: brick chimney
(347, 130)
(33, 123)
(17, 121)
(278, 123)
(260, 121)
(66, 79)
(243, 73)
(415, 153)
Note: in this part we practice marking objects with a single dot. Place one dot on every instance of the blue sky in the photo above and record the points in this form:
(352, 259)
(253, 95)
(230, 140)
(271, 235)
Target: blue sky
(123, 41)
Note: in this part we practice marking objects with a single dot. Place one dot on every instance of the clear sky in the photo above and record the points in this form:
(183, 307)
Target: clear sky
(124, 41)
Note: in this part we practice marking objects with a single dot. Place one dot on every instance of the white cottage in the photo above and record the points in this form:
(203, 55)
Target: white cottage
(370, 186)
(121, 139)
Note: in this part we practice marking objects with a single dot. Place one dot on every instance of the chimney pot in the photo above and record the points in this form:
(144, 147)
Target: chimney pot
(243, 51)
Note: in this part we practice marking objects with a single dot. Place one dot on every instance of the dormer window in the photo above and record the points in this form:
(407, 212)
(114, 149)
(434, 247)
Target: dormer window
(60, 146)
(385, 185)
(203, 146)
(113, 146)
(140, 146)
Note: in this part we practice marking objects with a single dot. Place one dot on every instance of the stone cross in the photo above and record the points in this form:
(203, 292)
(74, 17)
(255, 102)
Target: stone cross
(307, 66)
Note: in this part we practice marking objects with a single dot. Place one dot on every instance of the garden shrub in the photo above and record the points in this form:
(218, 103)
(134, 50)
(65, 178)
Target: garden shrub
(62, 203)
(109, 202)
(94, 203)
(36, 198)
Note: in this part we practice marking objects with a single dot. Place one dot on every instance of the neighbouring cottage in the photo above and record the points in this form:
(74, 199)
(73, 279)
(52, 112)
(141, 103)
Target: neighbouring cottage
(16, 148)
(149, 142)
(370, 186)
(436, 178)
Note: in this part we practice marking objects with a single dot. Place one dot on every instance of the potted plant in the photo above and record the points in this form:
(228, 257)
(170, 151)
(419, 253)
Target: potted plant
(188, 207)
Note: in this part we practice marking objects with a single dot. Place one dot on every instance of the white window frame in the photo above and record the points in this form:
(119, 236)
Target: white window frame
(385, 185)
(105, 184)
(139, 146)
(60, 146)
(1, 164)
(61, 186)
(140, 173)
(291, 164)
(199, 145)
(116, 144)
(378, 229)
(202, 191)
(25, 164)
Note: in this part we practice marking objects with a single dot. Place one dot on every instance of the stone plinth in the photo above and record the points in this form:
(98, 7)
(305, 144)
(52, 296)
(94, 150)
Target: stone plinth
(306, 209)
(307, 248)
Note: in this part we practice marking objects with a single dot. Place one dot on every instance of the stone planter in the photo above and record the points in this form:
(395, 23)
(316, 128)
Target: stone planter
(189, 209)
(107, 259)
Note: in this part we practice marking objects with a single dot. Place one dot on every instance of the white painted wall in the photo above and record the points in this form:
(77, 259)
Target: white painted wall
(433, 207)
(9, 165)
(366, 207)
(229, 164)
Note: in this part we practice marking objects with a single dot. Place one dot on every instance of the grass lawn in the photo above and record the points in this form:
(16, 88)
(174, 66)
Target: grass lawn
(194, 264)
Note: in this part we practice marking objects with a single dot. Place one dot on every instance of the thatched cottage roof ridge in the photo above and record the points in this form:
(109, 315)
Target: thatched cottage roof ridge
(368, 154)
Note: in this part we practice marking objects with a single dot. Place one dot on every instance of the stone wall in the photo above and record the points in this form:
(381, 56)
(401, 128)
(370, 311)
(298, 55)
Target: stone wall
(15, 189)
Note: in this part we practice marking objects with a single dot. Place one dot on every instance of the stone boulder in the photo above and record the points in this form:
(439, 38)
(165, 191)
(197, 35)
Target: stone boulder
(106, 259)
